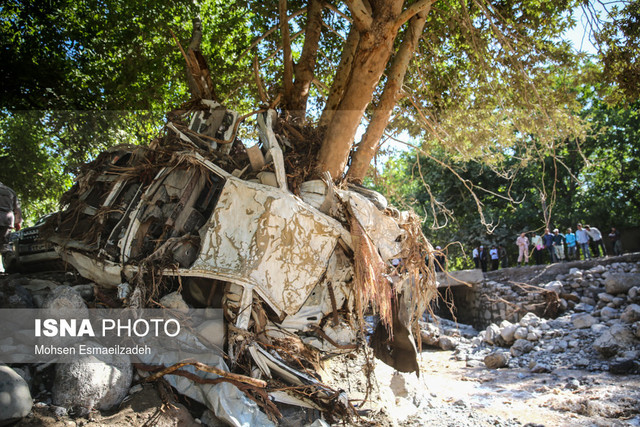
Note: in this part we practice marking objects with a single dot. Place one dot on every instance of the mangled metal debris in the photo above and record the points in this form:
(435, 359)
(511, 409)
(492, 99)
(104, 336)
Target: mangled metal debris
(294, 275)
(284, 269)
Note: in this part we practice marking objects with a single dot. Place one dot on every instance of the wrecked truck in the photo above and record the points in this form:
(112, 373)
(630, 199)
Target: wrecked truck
(198, 212)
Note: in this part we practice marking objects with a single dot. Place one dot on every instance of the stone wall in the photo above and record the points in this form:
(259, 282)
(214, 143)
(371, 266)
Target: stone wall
(546, 290)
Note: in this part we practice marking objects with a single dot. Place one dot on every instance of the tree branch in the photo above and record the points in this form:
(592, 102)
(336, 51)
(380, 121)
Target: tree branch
(269, 32)
(368, 146)
(286, 48)
(418, 7)
(305, 68)
(341, 77)
(360, 13)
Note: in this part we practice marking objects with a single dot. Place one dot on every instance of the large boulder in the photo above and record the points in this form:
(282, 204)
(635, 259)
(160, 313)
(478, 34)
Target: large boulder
(90, 383)
(613, 340)
(15, 398)
(621, 283)
(64, 298)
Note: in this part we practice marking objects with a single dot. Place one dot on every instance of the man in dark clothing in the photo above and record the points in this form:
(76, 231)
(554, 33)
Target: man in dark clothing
(10, 216)
(614, 236)
(547, 239)
(482, 255)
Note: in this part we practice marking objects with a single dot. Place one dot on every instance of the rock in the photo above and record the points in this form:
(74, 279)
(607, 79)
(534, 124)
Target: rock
(398, 385)
(583, 307)
(496, 360)
(623, 367)
(521, 347)
(448, 343)
(534, 335)
(583, 320)
(64, 298)
(508, 331)
(597, 269)
(614, 339)
(636, 329)
(608, 313)
(88, 382)
(529, 319)
(15, 398)
(575, 272)
(621, 283)
(555, 286)
(492, 332)
(429, 333)
(633, 293)
(631, 314)
(603, 296)
(521, 333)
(85, 291)
(539, 367)
(174, 300)
(14, 295)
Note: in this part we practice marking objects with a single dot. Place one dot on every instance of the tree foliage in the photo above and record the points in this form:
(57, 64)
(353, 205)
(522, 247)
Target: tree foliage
(102, 72)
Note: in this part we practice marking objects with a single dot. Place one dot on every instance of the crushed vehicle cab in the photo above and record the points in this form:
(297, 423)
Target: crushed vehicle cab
(284, 268)
(30, 252)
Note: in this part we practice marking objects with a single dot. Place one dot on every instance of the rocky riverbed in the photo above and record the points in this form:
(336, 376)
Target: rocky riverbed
(580, 368)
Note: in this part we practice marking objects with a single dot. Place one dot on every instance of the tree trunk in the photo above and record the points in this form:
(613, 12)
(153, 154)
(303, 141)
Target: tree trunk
(370, 60)
(368, 145)
(343, 72)
(286, 49)
(304, 70)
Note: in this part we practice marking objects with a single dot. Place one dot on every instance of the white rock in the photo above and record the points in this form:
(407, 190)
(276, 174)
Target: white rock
(492, 332)
(521, 333)
(507, 332)
(555, 286)
(64, 298)
(87, 382)
(15, 398)
(530, 319)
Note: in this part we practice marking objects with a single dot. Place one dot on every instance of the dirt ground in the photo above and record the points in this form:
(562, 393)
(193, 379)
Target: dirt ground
(563, 397)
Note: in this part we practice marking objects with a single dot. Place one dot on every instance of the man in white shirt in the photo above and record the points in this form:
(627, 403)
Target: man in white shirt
(596, 236)
(582, 237)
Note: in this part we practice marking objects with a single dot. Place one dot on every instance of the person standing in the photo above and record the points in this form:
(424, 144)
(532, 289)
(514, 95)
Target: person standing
(495, 258)
(482, 256)
(10, 216)
(614, 236)
(538, 247)
(570, 238)
(476, 256)
(558, 245)
(582, 238)
(504, 256)
(547, 239)
(596, 236)
(523, 249)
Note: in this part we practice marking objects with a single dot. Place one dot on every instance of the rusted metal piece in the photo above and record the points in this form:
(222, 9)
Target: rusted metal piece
(334, 307)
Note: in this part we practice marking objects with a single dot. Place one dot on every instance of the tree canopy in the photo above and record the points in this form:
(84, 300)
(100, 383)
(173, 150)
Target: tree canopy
(476, 78)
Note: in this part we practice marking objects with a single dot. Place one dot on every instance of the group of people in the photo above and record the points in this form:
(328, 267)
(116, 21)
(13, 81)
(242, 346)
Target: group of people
(496, 255)
(568, 246)
(585, 242)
